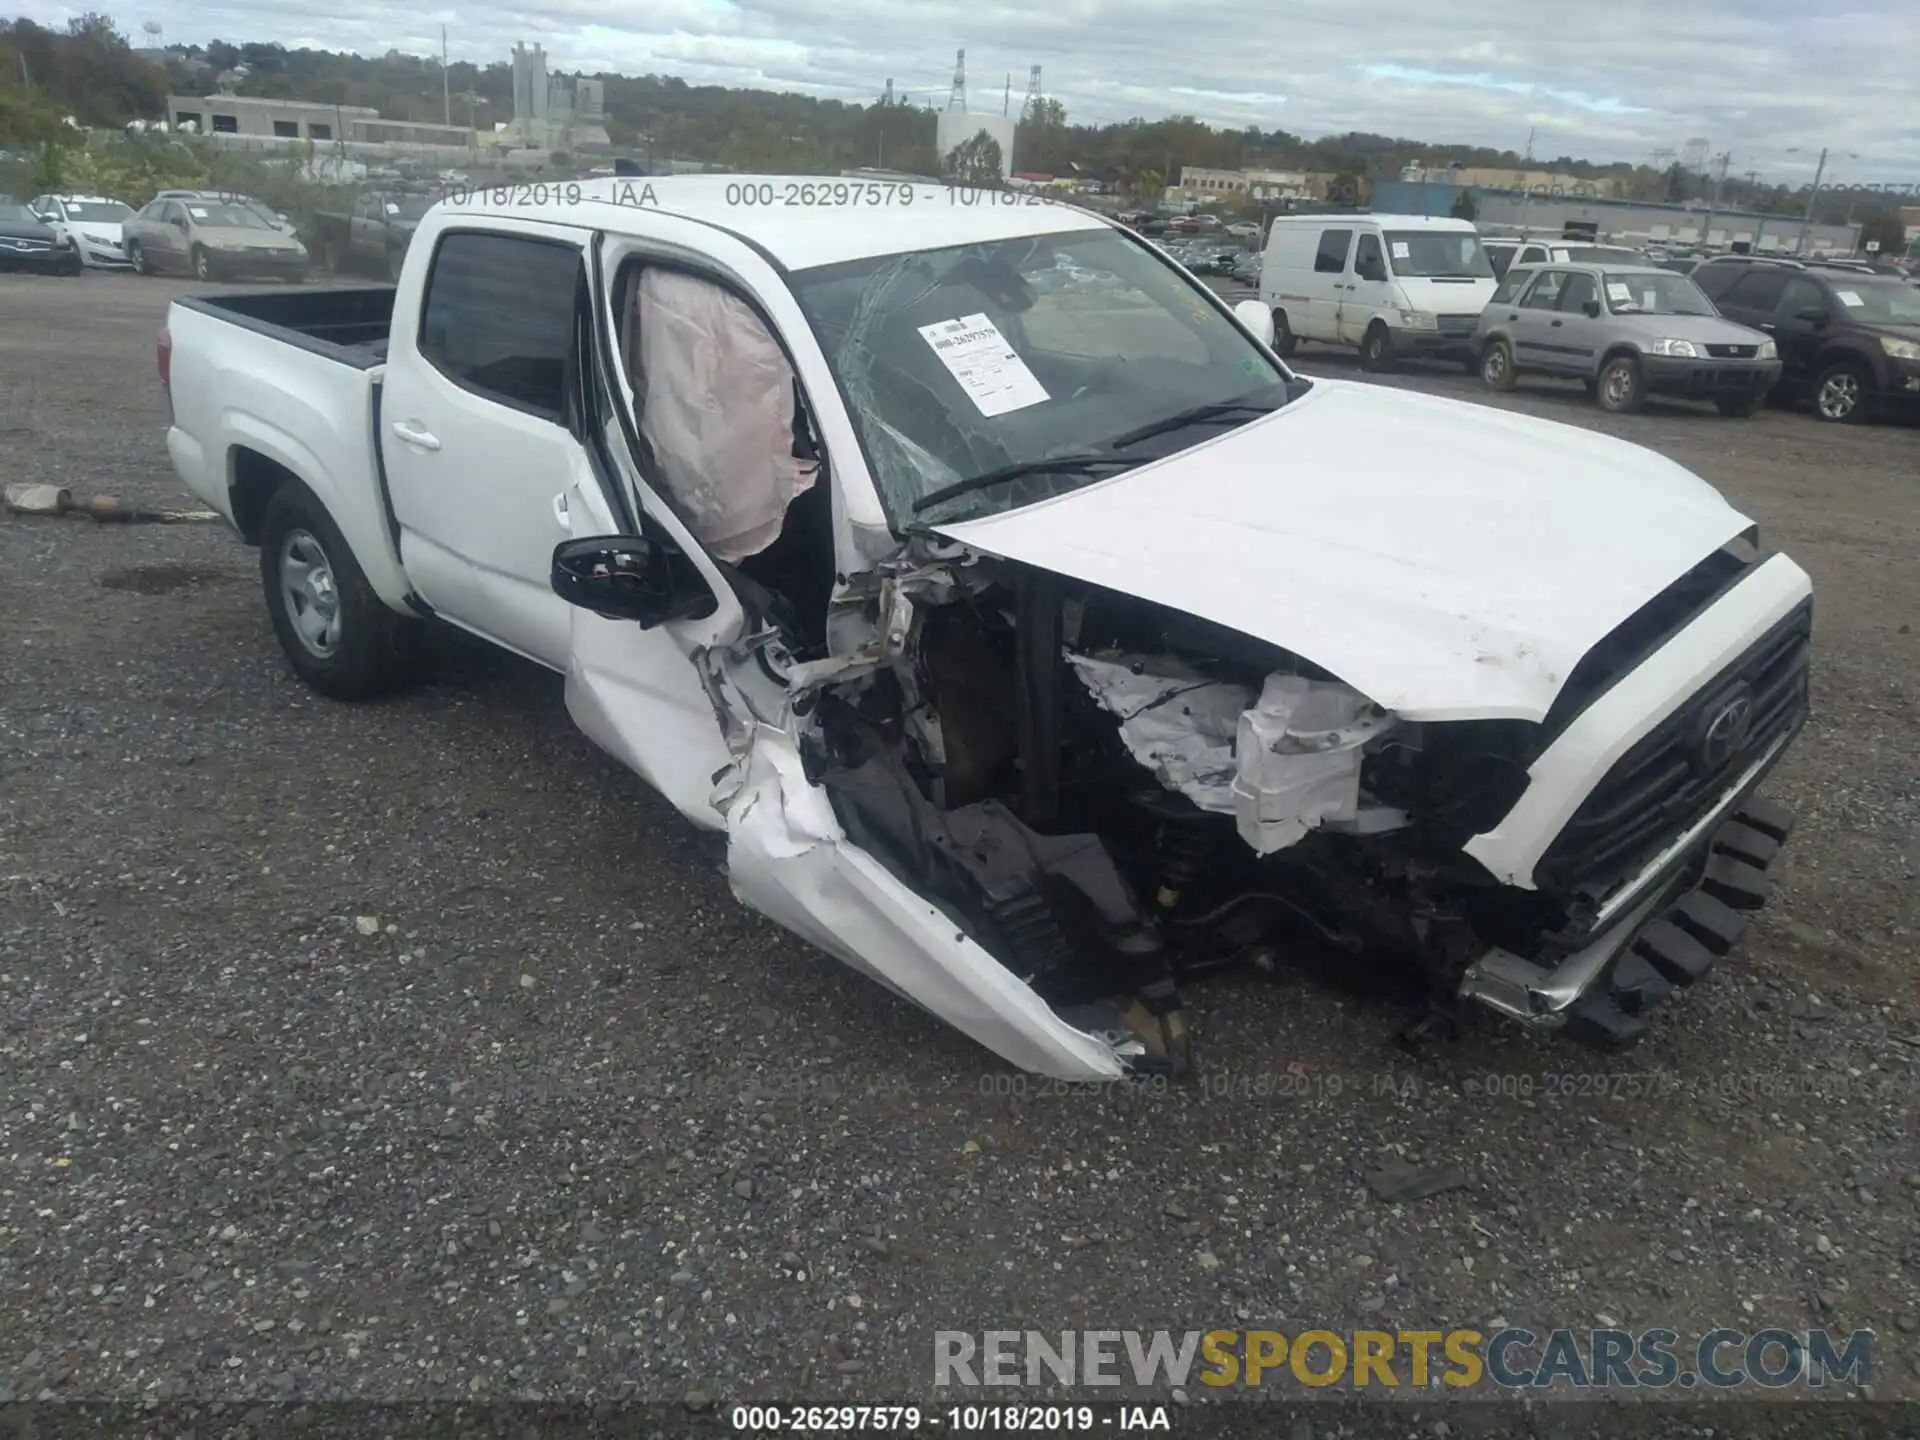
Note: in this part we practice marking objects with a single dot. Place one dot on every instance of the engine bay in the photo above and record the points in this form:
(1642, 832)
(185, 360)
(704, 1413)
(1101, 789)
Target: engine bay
(1114, 798)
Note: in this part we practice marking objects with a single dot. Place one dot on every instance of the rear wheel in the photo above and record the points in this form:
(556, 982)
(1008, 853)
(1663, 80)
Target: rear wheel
(1622, 389)
(1284, 340)
(137, 258)
(1376, 349)
(202, 263)
(339, 636)
(1840, 394)
(1496, 366)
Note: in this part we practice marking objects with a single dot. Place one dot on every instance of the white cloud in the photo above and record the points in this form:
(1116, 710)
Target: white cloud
(1760, 78)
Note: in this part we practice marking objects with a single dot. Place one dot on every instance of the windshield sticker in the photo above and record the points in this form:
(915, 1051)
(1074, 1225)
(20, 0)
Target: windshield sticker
(1401, 250)
(1850, 297)
(1618, 293)
(198, 212)
(979, 357)
(1649, 299)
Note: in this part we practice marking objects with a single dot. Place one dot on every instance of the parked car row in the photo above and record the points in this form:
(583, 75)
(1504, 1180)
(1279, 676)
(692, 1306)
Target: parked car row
(209, 234)
(1735, 330)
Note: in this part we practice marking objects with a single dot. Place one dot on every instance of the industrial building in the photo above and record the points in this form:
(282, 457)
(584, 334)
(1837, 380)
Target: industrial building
(1632, 222)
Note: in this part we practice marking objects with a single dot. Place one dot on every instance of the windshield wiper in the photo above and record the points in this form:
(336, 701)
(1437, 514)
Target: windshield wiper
(1218, 410)
(1088, 463)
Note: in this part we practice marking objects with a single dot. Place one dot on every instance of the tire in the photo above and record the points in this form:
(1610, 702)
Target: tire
(1737, 407)
(1497, 370)
(354, 649)
(202, 263)
(1622, 390)
(297, 277)
(1840, 394)
(1285, 342)
(137, 258)
(1376, 349)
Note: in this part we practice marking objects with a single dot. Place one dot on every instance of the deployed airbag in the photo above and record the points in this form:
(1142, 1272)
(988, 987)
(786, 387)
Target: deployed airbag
(717, 405)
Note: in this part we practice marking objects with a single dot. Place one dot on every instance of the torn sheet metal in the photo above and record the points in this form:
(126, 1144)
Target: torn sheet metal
(789, 859)
(718, 410)
(1300, 751)
(1175, 721)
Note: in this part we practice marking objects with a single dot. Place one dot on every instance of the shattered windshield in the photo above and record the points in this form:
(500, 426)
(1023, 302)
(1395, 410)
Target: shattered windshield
(992, 360)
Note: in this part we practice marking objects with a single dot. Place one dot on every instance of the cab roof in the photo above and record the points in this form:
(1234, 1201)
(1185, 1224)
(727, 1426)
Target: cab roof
(801, 221)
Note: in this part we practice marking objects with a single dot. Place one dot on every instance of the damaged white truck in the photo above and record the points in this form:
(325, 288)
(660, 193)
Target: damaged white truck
(1036, 638)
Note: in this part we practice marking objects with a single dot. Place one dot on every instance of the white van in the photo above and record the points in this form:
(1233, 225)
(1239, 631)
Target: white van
(1506, 251)
(1390, 285)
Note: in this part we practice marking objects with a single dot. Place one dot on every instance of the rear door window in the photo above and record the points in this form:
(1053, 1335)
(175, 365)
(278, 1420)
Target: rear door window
(1757, 290)
(1331, 258)
(498, 317)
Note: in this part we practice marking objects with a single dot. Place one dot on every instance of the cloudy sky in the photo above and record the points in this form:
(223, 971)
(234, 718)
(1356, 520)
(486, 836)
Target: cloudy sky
(1771, 81)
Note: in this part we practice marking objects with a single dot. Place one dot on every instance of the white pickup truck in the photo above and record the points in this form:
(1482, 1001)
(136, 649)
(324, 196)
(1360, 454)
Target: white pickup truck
(1037, 639)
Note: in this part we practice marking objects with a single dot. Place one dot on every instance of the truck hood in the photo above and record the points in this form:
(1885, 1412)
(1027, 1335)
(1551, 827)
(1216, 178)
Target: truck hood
(1450, 561)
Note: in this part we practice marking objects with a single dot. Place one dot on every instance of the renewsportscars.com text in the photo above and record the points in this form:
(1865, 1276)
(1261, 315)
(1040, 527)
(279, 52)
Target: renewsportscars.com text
(1381, 1360)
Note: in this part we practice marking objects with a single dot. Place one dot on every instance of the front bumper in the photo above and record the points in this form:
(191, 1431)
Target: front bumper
(245, 263)
(1601, 994)
(41, 262)
(1707, 378)
(1434, 344)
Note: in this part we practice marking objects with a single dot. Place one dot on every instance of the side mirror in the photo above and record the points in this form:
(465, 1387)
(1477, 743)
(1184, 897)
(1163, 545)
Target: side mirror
(1257, 318)
(630, 577)
(1591, 308)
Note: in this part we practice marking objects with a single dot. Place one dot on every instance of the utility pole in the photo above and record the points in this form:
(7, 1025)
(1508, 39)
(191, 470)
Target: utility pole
(446, 94)
(1724, 159)
(1800, 246)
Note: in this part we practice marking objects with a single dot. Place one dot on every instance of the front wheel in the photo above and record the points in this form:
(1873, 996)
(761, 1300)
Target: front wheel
(340, 637)
(1376, 349)
(1622, 389)
(137, 258)
(1840, 394)
(1737, 407)
(1285, 342)
(1496, 366)
(202, 263)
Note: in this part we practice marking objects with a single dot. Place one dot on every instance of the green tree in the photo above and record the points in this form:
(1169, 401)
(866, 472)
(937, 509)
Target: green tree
(974, 163)
(1888, 229)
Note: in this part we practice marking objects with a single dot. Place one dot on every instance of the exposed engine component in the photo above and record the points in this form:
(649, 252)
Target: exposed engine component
(1299, 753)
(1175, 721)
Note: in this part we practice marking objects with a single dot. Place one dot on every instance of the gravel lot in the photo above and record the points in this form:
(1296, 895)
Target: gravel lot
(571, 1124)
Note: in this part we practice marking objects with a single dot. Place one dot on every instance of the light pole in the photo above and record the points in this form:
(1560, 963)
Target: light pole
(1813, 195)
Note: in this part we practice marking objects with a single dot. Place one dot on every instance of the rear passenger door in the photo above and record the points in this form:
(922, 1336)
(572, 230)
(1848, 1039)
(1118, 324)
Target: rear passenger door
(474, 429)
(1534, 336)
(1327, 287)
(1754, 298)
(1801, 324)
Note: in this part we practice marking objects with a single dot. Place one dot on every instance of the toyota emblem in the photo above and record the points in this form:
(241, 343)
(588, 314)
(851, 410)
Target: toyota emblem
(1725, 733)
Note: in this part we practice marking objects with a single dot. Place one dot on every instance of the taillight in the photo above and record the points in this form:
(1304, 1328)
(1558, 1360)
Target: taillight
(163, 357)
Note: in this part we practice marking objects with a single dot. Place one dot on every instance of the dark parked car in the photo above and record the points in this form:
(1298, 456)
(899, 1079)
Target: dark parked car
(28, 243)
(1849, 341)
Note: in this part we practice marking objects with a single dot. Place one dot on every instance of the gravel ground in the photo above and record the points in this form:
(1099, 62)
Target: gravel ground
(415, 1050)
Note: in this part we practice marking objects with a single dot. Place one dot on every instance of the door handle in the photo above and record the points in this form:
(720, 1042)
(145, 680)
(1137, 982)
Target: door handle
(1514, 316)
(1558, 323)
(1766, 325)
(415, 436)
(560, 511)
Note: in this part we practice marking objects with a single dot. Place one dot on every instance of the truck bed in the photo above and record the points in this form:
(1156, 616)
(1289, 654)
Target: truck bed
(347, 323)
